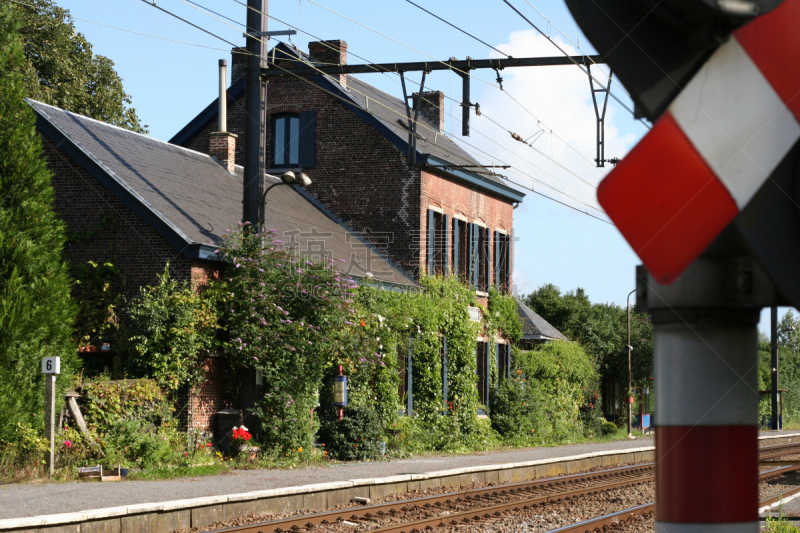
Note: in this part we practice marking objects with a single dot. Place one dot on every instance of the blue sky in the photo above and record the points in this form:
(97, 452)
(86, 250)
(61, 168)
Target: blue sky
(170, 82)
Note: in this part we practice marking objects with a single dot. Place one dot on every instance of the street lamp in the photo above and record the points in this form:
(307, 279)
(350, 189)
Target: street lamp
(630, 349)
(290, 177)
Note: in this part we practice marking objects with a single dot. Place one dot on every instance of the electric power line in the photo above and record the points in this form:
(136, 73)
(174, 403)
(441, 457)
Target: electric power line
(457, 28)
(532, 178)
(620, 102)
(186, 21)
(528, 111)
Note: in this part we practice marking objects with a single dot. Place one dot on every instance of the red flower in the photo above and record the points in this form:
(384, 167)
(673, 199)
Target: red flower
(363, 324)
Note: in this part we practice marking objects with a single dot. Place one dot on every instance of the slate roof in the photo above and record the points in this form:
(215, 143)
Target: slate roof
(386, 113)
(191, 200)
(534, 327)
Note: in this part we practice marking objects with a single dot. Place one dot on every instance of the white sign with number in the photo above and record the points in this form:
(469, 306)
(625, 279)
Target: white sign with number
(51, 365)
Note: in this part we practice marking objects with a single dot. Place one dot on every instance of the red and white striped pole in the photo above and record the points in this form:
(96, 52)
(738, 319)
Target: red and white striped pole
(706, 377)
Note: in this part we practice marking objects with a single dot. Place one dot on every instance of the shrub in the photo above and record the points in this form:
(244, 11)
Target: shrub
(171, 328)
(608, 428)
(542, 402)
(136, 442)
(356, 437)
(509, 411)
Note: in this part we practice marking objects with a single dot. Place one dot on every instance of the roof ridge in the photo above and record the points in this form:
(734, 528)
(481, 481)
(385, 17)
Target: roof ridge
(110, 173)
(37, 102)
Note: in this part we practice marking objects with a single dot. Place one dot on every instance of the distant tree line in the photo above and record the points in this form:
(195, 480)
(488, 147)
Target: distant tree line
(601, 328)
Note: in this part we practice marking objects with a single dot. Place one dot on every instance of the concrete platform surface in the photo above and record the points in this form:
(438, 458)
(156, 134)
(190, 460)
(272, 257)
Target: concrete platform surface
(28, 500)
(17, 501)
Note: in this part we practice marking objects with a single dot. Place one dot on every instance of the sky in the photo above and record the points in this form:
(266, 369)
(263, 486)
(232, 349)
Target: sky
(169, 69)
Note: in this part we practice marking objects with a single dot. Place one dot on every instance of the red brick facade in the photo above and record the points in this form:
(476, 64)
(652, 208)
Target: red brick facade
(132, 245)
(210, 396)
(458, 200)
(361, 176)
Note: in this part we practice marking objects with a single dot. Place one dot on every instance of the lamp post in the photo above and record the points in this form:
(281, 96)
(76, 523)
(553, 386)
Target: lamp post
(251, 378)
(630, 349)
(290, 177)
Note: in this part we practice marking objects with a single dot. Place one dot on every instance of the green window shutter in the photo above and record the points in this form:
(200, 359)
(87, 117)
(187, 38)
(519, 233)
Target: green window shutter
(308, 148)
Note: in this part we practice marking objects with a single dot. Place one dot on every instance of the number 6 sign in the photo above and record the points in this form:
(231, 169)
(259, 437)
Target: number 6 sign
(51, 365)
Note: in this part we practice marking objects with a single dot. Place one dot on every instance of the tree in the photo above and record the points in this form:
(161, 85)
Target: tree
(61, 70)
(600, 328)
(36, 311)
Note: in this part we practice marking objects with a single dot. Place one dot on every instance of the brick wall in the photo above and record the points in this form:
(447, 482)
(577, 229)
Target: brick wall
(131, 244)
(210, 396)
(358, 175)
(462, 201)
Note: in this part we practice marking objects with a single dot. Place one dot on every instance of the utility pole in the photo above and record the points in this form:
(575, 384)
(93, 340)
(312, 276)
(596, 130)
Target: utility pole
(774, 346)
(630, 349)
(255, 131)
(255, 153)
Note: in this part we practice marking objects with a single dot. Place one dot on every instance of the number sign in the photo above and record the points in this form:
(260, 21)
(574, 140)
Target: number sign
(51, 365)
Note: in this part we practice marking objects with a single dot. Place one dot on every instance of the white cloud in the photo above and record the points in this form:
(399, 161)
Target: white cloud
(560, 100)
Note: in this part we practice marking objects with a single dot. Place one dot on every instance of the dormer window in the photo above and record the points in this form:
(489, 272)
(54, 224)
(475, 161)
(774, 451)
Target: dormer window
(293, 139)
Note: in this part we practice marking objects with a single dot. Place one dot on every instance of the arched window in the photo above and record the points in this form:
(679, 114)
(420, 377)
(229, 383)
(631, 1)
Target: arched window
(293, 140)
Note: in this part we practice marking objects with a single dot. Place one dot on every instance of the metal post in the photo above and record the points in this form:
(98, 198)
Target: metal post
(630, 349)
(223, 100)
(50, 415)
(465, 101)
(255, 150)
(706, 373)
(255, 113)
(774, 338)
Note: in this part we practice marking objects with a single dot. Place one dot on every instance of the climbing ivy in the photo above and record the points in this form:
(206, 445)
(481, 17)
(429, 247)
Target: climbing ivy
(502, 316)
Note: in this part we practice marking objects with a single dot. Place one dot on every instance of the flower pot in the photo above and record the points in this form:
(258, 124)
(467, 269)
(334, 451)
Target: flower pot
(630, 399)
(252, 453)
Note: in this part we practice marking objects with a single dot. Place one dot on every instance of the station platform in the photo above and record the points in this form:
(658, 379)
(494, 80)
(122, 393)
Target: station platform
(190, 502)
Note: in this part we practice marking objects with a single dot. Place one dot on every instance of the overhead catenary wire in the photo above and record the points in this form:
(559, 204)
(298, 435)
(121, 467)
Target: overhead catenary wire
(130, 31)
(532, 178)
(457, 28)
(603, 87)
(508, 95)
(153, 4)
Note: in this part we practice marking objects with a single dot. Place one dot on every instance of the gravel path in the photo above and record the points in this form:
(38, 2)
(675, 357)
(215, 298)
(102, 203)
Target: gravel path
(18, 501)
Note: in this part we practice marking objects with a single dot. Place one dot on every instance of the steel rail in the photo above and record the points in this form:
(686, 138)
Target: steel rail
(779, 450)
(380, 510)
(371, 512)
(602, 523)
(778, 497)
(611, 520)
(478, 515)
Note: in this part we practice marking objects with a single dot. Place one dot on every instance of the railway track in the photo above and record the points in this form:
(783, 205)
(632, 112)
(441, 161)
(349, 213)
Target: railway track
(476, 505)
(646, 512)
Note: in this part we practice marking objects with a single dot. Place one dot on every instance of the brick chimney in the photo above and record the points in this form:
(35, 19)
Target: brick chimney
(432, 108)
(222, 147)
(239, 57)
(331, 53)
(222, 144)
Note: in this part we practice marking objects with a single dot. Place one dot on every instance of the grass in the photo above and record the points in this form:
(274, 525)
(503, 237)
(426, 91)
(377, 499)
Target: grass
(166, 472)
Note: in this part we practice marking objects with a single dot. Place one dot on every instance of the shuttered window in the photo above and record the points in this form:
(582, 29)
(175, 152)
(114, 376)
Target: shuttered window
(293, 140)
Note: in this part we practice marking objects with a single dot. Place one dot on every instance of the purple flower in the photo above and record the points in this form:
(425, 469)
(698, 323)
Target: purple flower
(348, 323)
